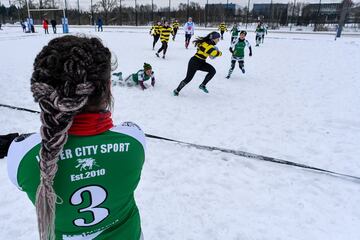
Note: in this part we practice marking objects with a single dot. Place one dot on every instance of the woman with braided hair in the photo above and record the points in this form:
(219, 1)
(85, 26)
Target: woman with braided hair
(81, 171)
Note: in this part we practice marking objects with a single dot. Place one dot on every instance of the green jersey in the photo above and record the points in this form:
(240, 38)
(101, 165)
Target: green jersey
(260, 30)
(238, 48)
(141, 76)
(95, 182)
(235, 31)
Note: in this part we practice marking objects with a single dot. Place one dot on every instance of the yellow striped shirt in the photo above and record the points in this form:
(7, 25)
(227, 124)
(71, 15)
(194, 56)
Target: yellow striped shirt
(165, 33)
(222, 27)
(156, 29)
(205, 50)
(175, 25)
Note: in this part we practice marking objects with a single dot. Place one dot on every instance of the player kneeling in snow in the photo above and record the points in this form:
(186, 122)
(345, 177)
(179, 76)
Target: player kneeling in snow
(238, 52)
(137, 78)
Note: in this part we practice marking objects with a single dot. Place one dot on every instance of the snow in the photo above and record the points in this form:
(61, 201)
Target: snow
(299, 100)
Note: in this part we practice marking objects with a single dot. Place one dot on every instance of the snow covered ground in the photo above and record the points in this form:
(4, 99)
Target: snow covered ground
(299, 100)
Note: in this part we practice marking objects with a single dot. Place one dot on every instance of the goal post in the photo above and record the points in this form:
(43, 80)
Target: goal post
(62, 8)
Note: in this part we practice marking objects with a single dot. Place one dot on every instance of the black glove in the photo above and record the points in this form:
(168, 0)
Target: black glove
(5, 141)
(230, 49)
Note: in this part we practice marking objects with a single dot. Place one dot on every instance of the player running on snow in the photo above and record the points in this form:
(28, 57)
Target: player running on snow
(222, 29)
(238, 53)
(155, 32)
(234, 32)
(205, 48)
(175, 27)
(189, 28)
(165, 32)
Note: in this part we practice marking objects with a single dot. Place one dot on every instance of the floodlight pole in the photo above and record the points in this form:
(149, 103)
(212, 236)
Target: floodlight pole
(227, 11)
(136, 15)
(78, 2)
(28, 8)
(120, 13)
(92, 13)
(64, 9)
(187, 9)
(292, 15)
(152, 11)
(206, 12)
(169, 10)
(247, 14)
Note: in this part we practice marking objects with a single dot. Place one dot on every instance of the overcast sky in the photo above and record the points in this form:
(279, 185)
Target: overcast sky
(85, 4)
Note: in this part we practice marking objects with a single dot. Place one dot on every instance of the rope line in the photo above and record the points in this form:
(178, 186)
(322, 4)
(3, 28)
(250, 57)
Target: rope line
(230, 151)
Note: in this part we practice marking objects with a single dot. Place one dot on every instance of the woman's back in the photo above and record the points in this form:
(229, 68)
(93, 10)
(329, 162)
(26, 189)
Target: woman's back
(96, 178)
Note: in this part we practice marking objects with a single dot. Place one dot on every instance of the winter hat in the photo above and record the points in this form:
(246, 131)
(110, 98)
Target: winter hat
(147, 66)
(243, 32)
(214, 35)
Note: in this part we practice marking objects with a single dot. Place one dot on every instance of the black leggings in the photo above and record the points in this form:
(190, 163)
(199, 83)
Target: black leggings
(175, 31)
(187, 37)
(258, 38)
(196, 64)
(241, 64)
(156, 38)
(164, 47)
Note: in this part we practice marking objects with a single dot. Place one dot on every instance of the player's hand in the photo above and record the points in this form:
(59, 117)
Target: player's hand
(153, 82)
(5, 141)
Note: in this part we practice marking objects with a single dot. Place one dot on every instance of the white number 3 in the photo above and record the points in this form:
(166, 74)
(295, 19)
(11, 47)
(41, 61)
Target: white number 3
(97, 196)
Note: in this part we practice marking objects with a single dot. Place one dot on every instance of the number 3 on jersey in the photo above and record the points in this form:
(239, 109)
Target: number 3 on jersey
(98, 195)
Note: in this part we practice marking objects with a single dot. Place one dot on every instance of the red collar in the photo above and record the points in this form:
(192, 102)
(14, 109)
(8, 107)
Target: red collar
(88, 124)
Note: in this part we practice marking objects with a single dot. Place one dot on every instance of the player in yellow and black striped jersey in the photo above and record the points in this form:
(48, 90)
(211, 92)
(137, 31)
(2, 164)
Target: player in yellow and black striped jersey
(222, 29)
(205, 48)
(175, 27)
(165, 32)
(155, 31)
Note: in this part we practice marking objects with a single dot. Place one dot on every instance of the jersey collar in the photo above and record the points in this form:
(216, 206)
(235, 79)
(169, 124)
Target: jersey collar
(88, 124)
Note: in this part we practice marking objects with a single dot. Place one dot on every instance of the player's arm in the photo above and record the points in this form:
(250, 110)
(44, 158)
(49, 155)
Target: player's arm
(153, 79)
(5, 141)
(214, 52)
(249, 46)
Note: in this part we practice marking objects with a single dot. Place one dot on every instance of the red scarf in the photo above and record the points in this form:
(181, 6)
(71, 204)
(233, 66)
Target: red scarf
(88, 124)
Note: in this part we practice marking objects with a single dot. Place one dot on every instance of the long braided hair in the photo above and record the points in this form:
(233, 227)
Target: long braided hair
(71, 75)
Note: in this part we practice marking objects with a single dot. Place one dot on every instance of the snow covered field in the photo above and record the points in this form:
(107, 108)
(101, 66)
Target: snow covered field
(299, 100)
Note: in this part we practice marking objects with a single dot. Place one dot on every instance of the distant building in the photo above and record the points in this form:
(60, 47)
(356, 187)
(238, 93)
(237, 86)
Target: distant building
(229, 9)
(271, 12)
(354, 16)
(323, 13)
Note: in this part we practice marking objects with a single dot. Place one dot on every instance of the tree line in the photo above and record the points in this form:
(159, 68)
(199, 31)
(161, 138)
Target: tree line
(112, 13)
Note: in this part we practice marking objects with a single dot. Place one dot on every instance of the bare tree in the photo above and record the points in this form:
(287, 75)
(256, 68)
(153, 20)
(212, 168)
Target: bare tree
(107, 6)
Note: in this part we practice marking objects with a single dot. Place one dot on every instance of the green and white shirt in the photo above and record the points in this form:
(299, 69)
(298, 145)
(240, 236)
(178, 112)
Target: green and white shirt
(235, 31)
(95, 182)
(142, 76)
(238, 47)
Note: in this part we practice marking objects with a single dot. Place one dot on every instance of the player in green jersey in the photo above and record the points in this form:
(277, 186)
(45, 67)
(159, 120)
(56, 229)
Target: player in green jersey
(81, 171)
(137, 78)
(238, 53)
(260, 33)
(234, 32)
